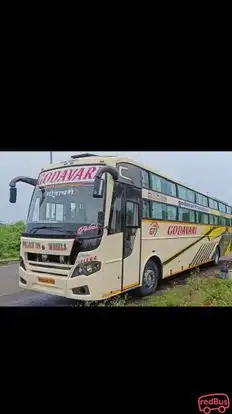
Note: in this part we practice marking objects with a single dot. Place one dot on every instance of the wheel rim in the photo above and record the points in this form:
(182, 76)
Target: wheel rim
(216, 258)
(150, 278)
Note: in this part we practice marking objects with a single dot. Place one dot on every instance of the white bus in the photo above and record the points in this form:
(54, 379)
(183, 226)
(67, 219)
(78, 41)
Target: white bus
(99, 226)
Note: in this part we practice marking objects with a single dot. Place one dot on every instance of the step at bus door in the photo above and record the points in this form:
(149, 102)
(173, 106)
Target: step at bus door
(131, 238)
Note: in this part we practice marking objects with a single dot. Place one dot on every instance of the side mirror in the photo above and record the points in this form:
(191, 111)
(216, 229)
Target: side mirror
(98, 188)
(13, 195)
(100, 218)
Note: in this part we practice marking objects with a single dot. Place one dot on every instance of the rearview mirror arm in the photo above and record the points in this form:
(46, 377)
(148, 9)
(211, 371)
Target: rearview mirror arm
(27, 180)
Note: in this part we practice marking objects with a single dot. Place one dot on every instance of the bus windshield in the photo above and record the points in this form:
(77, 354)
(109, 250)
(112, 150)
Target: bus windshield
(70, 208)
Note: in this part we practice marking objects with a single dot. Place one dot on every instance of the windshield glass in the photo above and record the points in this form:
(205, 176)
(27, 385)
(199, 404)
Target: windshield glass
(67, 208)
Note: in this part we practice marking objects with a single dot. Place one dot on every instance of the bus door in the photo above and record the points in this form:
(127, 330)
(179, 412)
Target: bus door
(131, 237)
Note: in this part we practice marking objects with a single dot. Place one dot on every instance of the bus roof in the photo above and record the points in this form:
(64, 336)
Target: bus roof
(113, 159)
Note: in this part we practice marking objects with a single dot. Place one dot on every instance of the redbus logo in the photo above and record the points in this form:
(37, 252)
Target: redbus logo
(210, 402)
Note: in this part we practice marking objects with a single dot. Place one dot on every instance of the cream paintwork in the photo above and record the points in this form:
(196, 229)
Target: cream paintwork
(131, 270)
(165, 246)
(45, 243)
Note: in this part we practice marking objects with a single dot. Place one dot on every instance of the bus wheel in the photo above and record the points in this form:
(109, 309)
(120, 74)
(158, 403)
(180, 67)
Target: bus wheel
(151, 276)
(216, 257)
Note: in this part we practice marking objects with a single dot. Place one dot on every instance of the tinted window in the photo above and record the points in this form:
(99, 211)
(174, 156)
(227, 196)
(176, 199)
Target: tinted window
(222, 207)
(216, 220)
(156, 182)
(115, 225)
(228, 210)
(146, 212)
(202, 200)
(145, 179)
(186, 215)
(211, 219)
(157, 210)
(186, 194)
(169, 188)
(222, 221)
(228, 222)
(202, 218)
(171, 213)
(162, 185)
(213, 204)
(132, 214)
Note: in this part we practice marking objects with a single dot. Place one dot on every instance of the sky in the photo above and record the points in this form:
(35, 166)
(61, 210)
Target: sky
(209, 172)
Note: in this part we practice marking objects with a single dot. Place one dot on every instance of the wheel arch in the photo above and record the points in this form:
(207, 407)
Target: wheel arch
(157, 260)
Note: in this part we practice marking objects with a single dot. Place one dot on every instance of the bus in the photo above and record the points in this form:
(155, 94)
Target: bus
(99, 226)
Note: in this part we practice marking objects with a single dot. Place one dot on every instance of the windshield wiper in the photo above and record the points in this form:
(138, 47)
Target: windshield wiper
(35, 229)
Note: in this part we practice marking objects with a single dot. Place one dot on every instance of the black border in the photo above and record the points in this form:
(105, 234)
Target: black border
(179, 354)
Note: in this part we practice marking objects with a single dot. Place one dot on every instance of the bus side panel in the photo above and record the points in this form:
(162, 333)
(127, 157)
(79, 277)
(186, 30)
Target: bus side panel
(181, 246)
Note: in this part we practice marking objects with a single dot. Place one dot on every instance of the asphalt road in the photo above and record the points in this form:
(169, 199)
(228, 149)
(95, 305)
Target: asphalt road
(12, 295)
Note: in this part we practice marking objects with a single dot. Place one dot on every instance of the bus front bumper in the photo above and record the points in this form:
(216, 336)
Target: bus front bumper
(79, 288)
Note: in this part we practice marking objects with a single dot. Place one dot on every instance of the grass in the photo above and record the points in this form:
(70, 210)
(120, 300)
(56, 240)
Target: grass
(199, 291)
(10, 240)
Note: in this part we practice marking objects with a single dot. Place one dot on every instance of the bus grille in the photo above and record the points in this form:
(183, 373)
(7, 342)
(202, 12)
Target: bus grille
(53, 265)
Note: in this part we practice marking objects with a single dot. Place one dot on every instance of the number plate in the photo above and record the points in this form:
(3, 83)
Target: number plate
(46, 280)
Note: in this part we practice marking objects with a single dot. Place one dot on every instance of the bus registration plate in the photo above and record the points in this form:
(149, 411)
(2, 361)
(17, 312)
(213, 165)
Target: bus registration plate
(46, 280)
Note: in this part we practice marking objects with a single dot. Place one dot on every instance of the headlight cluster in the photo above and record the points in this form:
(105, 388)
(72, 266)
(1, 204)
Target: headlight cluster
(86, 269)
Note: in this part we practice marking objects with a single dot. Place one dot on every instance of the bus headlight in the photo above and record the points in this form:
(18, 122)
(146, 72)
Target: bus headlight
(86, 269)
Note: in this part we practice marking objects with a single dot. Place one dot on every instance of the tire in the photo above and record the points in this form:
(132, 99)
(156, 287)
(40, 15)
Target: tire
(216, 257)
(151, 277)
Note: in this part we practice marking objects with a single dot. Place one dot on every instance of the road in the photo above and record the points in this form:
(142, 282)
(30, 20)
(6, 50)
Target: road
(12, 295)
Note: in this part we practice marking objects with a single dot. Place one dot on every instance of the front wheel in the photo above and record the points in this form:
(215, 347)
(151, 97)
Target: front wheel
(151, 276)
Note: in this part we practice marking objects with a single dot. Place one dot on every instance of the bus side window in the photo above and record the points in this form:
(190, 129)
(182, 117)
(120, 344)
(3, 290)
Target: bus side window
(146, 209)
(211, 219)
(115, 225)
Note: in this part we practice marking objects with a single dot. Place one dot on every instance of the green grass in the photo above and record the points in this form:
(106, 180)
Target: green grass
(10, 240)
(198, 291)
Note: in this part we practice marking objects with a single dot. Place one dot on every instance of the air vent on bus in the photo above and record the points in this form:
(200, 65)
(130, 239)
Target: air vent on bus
(74, 157)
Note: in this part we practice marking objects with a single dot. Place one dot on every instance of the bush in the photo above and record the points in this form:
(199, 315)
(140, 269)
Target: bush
(10, 239)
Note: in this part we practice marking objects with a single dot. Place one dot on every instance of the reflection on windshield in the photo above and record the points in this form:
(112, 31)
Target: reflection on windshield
(71, 205)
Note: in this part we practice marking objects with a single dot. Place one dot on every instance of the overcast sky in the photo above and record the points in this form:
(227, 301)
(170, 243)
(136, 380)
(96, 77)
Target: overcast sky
(209, 172)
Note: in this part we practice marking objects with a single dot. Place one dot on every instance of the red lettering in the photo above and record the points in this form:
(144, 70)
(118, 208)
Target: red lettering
(63, 175)
(90, 173)
(175, 230)
(55, 176)
(184, 230)
(71, 174)
(170, 230)
(48, 177)
(40, 179)
(78, 174)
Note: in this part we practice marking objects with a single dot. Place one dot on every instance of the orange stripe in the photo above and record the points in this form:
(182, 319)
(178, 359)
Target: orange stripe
(187, 268)
(117, 292)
